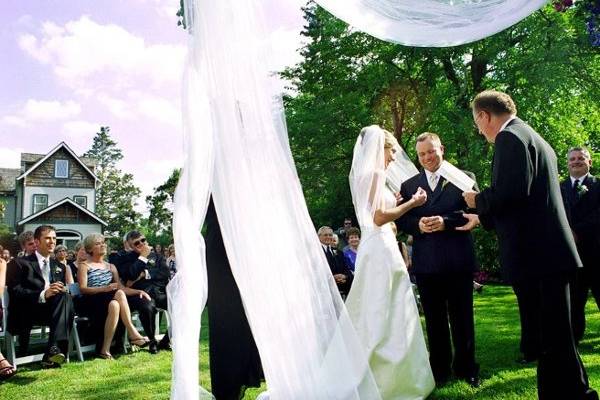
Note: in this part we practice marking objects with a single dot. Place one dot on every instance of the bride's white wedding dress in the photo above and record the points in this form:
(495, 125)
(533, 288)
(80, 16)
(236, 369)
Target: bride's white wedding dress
(382, 307)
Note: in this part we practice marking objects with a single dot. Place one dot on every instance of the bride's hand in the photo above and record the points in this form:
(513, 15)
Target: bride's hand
(420, 197)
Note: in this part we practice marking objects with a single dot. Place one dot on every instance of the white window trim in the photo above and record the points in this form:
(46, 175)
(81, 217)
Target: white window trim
(80, 196)
(33, 203)
(56, 168)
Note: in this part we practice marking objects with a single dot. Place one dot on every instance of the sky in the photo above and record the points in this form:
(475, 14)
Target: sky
(70, 66)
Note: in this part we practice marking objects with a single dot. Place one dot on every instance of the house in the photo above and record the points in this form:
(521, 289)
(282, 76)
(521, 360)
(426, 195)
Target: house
(57, 188)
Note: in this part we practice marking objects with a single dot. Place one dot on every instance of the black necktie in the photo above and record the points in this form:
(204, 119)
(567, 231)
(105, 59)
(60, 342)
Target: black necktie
(575, 185)
(329, 253)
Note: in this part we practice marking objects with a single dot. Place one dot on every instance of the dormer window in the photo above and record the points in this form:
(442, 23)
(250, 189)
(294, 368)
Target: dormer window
(61, 168)
(81, 200)
(40, 201)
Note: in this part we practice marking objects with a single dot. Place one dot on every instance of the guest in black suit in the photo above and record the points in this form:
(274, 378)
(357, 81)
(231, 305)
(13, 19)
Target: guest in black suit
(581, 196)
(144, 269)
(37, 288)
(443, 262)
(234, 360)
(340, 271)
(524, 205)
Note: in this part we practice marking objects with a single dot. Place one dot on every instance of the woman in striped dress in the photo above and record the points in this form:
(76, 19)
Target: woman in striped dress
(104, 298)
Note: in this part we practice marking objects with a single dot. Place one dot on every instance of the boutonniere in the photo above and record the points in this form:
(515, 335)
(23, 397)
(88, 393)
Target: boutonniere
(582, 189)
(152, 262)
(57, 270)
(444, 183)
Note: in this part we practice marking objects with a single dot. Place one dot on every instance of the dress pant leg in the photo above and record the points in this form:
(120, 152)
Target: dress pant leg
(579, 288)
(462, 325)
(61, 313)
(527, 300)
(561, 374)
(433, 299)
(147, 313)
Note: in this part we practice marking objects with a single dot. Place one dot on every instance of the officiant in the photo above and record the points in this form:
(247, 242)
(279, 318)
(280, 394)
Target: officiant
(443, 262)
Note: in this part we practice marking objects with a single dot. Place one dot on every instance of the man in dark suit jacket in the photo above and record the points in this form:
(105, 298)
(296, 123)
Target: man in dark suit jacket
(143, 269)
(524, 205)
(36, 285)
(443, 261)
(342, 275)
(581, 196)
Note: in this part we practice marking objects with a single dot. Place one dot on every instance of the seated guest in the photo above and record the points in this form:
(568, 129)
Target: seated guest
(350, 251)
(27, 243)
(104, 298)
(342, 233)
(341, 273)
(6, 370)
(36, 284)
(171, 262)
(6, 255)
(146, 270)
(80, 256)
(60, 254)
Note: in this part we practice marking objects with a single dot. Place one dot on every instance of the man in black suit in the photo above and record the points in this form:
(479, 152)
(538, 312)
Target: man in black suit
(143, 269)
(443, 261)
(38, 295)
(342, 275)
(524, 205)
(581, 196)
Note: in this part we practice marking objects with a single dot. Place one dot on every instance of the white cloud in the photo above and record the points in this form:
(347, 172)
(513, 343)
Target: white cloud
(14, 121)
(159, 109)
(10, 158)
(87, 55)
(36, 111)
(80, 129)
(118, 107)
(52, 110)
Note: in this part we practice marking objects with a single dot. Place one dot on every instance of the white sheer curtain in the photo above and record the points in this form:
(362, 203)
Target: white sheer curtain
(236, 146)
(431, 23)
(306, 341)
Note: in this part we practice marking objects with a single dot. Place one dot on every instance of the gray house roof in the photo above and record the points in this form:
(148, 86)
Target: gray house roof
(8, 179)
(33, 158)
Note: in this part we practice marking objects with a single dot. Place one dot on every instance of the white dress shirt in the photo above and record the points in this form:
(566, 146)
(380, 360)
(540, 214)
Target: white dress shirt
(433, 179)
(45, 274)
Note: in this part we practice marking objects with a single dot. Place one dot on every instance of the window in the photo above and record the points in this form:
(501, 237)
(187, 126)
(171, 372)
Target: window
(61, 168)
(40, 201)
(81, 200)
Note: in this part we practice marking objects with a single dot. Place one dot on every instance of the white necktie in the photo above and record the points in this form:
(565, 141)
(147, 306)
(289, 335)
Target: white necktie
(433, 180)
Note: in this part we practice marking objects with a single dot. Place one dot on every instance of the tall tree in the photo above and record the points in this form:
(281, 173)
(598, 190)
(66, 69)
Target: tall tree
(116, 194)
(348, 80)
(160, 205)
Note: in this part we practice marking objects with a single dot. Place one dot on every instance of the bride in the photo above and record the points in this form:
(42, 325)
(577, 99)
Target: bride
(381, 303)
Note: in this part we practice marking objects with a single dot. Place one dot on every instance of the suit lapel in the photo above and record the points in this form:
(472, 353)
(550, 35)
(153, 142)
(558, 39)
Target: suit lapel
(35, 265)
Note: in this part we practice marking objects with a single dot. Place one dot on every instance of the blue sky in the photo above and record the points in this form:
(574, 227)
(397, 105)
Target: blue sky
(71, 66)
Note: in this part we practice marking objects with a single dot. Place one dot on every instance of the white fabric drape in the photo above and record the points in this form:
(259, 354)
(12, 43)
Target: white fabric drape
(236, 146)
(307, 344)
(431, 23)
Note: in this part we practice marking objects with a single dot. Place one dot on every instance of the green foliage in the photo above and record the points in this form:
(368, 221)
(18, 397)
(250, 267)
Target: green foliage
(159, 225)
(349, 80)
(116, 194)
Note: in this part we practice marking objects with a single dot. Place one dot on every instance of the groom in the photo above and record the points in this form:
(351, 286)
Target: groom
(443, 262)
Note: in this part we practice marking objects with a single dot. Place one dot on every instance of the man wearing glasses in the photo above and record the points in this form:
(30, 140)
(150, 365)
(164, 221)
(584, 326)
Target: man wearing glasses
(140, 268)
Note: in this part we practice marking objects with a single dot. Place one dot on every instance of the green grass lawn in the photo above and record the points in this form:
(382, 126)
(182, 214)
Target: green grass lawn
(143, 376)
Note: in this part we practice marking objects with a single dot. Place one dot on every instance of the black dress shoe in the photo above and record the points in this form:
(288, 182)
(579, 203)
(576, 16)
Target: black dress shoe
(164, 344)
(153, 347)
(53, 358)
(526, 360)
(473, 381)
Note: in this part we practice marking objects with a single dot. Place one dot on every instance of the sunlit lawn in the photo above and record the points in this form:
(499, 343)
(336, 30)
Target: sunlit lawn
(143, 376)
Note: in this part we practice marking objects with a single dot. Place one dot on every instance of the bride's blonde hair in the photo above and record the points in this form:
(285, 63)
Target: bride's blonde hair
(390, 139)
